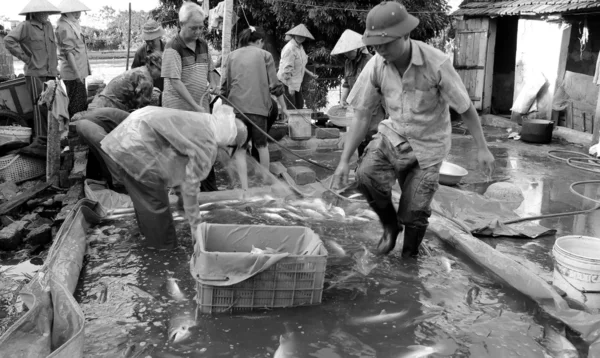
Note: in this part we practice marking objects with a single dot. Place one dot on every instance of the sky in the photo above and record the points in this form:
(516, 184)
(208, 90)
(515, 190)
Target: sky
(11, 8)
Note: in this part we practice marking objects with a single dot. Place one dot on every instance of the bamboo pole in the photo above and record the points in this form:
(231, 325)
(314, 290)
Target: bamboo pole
(128, 39)
(206, 7)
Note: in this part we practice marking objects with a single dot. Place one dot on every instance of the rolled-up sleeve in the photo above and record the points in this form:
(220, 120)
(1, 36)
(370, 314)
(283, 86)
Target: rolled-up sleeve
(171, 64)
(365, 95)
(12, 42)
(287, 63)
(452, 88)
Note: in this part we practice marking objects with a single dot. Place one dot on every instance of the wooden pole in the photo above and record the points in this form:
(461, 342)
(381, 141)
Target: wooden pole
(128, 39)
(227, 22)
(206, 7)
(596, 125)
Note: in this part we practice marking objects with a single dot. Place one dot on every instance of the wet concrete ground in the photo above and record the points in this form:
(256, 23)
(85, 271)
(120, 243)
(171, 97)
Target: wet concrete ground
(463, 311)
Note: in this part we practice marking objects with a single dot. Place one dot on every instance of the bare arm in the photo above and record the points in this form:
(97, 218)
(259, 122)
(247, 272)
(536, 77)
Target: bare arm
(345, 93)
(484, 156)
(185, 94)
(358, 130)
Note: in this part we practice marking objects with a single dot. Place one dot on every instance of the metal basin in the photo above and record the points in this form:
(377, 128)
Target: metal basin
(451, 174)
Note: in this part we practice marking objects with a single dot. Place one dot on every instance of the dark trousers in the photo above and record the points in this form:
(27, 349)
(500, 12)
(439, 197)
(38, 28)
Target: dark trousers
(35, 85)
(77, 94)
(381, 165)
(151, 204)
(273, 115)
(295, 101)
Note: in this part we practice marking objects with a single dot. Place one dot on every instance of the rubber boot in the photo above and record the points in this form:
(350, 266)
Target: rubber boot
(391, 229)
(413, 236)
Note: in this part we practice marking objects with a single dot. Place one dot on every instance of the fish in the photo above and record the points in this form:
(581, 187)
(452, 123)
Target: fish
(446, 347)
(379, 318)
(294, 216)
(532, 243)
(337, 248)
(138, 291)
(274, 217)
(173, 289)
(472, 295)
(288, 346)
(338, 213)
(274, 210)
(357, 219)
(419, 352)
(316, 204)
(354, 196)
(446, 263)
(211, 206)
(557, 345)
(180, 328)
(313, 214)
(363, 263)
(368, 214)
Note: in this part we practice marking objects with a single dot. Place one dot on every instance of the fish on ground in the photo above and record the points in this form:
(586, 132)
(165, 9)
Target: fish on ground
(557, 345)
(174, 291)
(313, 214)
(337, 248)
(274, 210)
(338, 213)
(367, 213)
(294, 216)
(179, 327)
(275, 217)
(288, 345)
(379, 318)
(354, 219)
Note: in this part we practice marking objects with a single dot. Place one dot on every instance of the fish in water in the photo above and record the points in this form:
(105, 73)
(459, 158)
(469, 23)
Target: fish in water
(370, 214)
(446, 347)
(272, 216)
(557, 345)
(173, 289)
(353, 219)
(353, 196)
(532, 243)
(472, 295)
(418, 352)
(180, 327)
(337, 248)
(364, 265)
(380, 318)
(338, 213)
(446, 263)
(288, 346)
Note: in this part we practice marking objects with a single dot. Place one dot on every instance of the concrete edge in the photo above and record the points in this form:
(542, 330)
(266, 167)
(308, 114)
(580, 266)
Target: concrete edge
(559, 133)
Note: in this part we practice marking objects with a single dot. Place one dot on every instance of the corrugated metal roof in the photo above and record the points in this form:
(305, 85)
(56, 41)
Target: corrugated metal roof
(518, 7)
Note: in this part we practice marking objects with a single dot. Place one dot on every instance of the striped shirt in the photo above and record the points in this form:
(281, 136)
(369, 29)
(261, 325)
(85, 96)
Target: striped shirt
(191, 67)
(417, 102)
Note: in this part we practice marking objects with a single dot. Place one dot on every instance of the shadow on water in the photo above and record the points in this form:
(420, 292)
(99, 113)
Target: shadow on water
(133, 309)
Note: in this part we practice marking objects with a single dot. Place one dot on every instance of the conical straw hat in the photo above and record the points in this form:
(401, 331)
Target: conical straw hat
(39, 6)
(66, 6)
(300, 30)
(350, 40)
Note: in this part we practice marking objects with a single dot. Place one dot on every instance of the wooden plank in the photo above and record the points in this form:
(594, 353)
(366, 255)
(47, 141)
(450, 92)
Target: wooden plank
(569, 115)
(53, 151)
(490, 54)
(596, 122)
(469, 67)
(474, 56)
(79, 167)
(22, 198)
(471, 31)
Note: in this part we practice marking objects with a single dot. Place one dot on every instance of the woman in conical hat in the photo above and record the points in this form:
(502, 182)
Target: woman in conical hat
(351, 46)
(292, 66)
(74, 61)
(32, 42)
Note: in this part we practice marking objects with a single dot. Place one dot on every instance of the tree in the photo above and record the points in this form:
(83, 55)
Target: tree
(326, 21)
(118, 27)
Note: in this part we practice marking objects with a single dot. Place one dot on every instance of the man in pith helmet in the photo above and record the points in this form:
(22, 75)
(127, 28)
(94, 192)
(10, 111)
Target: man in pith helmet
(419, 85)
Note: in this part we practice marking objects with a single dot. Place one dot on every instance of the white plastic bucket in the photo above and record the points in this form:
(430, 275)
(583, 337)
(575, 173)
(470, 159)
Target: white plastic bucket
(577, 268)
(300, 124)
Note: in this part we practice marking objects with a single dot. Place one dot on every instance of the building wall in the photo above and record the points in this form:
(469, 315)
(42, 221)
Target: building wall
(6, 60)
(541, 46)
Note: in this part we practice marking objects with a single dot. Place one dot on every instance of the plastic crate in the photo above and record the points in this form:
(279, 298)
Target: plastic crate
(18, 168)
(296, 280)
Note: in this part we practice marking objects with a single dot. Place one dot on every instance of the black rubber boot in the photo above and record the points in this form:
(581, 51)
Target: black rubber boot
(391, 229)
(413, 236)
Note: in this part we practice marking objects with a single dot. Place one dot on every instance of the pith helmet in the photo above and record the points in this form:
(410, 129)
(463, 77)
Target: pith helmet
(387, 22)
(350, 40)
(39, 6)
(300, 30)
(67, 6)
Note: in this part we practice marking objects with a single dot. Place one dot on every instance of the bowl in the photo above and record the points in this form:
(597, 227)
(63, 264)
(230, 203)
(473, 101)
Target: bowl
(340, 116)
(451, 174)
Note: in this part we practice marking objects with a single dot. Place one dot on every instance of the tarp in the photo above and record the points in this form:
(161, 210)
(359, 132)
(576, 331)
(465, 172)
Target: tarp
(484, 216)
(53, 326)
(521, 279)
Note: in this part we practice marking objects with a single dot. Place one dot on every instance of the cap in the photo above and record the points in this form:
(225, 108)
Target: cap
(152, 30)
(39, 6)
(67, 6)
(350, 40)
(300, 30)
(387, 22)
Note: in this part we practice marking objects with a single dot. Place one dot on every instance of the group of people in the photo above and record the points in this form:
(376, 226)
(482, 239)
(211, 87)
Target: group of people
(407, 82)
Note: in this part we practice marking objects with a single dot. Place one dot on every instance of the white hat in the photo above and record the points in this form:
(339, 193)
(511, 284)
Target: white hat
(39, 6)
(67, 6)
(300, 30)
(350, 40)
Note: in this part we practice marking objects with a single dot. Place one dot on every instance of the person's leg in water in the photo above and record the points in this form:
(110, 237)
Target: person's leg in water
(414, 210)
(375, 176)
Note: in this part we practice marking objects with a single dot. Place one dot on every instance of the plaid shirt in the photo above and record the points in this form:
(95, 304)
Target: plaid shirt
(417, 102)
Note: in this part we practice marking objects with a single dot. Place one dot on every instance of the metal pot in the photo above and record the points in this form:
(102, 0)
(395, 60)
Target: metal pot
(537, 131)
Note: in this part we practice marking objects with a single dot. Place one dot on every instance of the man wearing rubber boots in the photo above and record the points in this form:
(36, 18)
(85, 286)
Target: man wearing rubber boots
(418, 84)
